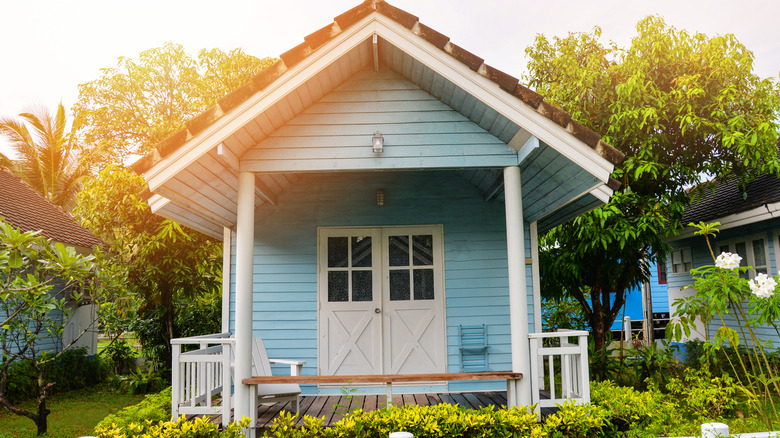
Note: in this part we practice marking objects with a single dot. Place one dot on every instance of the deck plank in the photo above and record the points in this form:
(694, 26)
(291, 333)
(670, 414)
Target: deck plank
(433, 399)
(461, 401)
(474, 401)
(421, 400)
(371, 403)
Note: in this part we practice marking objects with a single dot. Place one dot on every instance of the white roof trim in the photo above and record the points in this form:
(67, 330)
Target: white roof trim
(459, 74)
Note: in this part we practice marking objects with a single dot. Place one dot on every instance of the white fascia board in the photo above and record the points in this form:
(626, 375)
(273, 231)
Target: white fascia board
(758, 214)
(239, 116)
(602, 192)
(157, 202)
(492, 95)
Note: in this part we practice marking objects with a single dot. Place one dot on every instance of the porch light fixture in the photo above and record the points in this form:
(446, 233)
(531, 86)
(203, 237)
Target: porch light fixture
(380, 198)
(377, 143)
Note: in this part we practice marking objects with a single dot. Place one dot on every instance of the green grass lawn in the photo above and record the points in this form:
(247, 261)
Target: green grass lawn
(73, 414)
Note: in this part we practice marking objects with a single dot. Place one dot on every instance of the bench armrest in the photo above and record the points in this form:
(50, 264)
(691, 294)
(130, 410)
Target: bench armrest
(296, 366)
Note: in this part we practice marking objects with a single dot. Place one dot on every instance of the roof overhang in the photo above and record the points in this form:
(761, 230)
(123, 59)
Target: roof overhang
(193, 174)
(759, 214)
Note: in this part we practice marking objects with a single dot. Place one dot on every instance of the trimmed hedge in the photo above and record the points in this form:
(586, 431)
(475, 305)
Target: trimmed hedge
(74, 369)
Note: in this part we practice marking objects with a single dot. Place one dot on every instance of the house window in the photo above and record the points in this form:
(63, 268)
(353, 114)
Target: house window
(753, 251)
(681, 261)
(661, 272)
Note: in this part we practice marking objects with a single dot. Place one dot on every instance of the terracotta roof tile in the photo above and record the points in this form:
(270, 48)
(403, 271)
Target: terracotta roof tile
(203, 120)
(173, 142)
(322, 36)
(585, 134)
(296, 54)
(404, 18)
(471, 60)
(432, 36)
(23, 207)
(505, 81)
(352, 16)
(528, 96)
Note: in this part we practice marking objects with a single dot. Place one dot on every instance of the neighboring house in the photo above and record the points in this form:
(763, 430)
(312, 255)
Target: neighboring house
(25, 208)
(749, 226)
(377, 188)
(647, 306)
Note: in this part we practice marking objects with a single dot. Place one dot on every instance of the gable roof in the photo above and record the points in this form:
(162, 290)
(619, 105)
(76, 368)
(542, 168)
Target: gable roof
(192, 175)
(318, 38)
(25, 208)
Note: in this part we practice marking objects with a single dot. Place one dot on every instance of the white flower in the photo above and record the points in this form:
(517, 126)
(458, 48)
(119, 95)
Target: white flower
(727, 260)
(763, 286)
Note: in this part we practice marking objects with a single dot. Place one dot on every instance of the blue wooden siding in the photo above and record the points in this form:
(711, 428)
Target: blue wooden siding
(634, 307)
(476, 286)
(700, 256)
(418, 129)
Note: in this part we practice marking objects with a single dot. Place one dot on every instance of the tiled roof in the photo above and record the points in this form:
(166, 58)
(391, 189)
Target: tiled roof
(729, 199)
(316, 39)
(25, 208)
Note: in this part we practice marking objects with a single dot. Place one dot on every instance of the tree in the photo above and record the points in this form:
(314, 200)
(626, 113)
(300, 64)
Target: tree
(161, 261)
(138, 103)
(683, 108)
(37, 280)
(49, 157)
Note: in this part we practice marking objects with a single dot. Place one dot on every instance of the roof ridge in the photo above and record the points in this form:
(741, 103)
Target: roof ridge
(316, 39)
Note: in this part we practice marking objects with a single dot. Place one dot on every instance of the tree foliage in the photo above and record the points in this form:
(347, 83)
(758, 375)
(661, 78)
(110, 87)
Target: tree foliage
(140, 102)
(682, 107)
(49, 157)
(39, 283)
(159, 260)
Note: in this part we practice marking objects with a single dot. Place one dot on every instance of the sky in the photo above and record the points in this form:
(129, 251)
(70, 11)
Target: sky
(49, 47)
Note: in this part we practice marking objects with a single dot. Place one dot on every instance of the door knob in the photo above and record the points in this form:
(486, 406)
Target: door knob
(377, 310)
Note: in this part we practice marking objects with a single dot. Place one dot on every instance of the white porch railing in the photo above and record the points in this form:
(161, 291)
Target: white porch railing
(561, 370)
(200, 376)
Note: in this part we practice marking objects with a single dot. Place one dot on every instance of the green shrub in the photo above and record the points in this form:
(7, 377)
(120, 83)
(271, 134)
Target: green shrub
(74, 369)
(442, 420)
(702, 395)
(181, 428)
(578, 421)
(153, 408)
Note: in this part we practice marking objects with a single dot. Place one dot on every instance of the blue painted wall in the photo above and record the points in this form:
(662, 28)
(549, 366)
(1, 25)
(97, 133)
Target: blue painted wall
(634, 307)
(285, 276)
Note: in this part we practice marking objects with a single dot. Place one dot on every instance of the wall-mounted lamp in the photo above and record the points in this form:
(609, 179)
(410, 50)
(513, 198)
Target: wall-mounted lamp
(377, 143)
(380, 198)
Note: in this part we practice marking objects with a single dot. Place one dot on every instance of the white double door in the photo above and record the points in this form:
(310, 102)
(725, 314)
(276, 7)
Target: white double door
(381, 300)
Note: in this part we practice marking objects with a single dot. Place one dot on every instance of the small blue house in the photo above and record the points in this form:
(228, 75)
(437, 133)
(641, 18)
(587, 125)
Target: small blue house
(749, 226)
(647, 305)
(376, 189)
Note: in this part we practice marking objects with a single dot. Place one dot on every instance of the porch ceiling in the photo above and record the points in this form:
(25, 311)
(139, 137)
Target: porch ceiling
(201, 192)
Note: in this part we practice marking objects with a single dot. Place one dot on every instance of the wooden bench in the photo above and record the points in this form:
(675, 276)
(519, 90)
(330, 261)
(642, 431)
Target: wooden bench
(387, 379)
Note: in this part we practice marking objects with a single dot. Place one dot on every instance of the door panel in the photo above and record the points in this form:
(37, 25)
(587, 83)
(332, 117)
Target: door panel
(381, 300)
(349, 295)
(413, 305)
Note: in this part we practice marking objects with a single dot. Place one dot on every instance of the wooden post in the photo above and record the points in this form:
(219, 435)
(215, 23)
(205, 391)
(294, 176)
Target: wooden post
(175, 381)
(518, 300)
(226, 244)
(245, 242)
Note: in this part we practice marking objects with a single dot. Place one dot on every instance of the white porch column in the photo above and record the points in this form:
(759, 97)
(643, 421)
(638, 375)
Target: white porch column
(245, 242)
(226, 236)
(520, 394)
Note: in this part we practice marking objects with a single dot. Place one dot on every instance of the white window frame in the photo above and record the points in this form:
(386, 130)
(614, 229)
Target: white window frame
(749, 258)
(776, 244)
(678, 261)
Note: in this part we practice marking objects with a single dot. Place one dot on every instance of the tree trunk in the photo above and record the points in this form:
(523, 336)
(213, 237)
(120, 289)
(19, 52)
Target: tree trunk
(41, 418)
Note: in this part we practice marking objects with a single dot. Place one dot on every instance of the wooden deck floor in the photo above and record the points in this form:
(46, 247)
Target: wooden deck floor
(333, 407)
